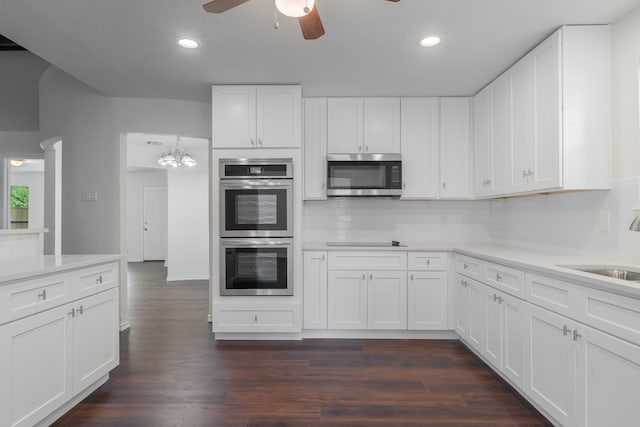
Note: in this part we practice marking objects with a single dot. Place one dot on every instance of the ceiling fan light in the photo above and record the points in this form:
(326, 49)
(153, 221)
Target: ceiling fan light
(295, 8)
(188, 43)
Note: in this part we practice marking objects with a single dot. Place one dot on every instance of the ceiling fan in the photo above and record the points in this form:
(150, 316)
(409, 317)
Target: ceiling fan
(305, 10)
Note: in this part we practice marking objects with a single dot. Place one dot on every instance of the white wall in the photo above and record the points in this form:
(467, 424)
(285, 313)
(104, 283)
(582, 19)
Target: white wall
(188, 220)
(35, 182)
(373, 219)
(625, 62)
(136, 181)
(20, 72)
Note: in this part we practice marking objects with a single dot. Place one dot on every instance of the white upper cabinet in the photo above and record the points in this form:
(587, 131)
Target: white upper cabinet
(363, 125)
(315, 148)
(550, 124)
(483, 164)
(455, 176)
(420, 148)
(256, 116)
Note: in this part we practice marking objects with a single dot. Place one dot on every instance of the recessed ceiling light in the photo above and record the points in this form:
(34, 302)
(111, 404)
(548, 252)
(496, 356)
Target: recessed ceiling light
(430, 41)
(188, 43)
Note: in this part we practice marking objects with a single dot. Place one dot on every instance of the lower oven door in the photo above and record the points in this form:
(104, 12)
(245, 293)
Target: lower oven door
(256, 266)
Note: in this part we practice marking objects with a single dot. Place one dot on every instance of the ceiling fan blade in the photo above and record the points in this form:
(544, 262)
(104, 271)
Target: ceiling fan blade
(311, 25)
(219, 6)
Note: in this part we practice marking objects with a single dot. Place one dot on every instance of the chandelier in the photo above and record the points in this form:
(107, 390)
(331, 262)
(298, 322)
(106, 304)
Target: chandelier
(177, 157)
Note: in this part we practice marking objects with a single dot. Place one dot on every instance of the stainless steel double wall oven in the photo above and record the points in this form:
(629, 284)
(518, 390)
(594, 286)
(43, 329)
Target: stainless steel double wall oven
(256, 226)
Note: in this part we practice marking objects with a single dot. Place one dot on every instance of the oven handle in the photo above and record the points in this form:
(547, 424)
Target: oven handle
(255, 243)
(253, 184)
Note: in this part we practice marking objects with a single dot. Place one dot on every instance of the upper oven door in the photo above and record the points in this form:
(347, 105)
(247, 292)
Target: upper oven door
(256, 208)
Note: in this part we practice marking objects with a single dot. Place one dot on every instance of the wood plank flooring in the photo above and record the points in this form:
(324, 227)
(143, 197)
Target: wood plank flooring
(173, 373)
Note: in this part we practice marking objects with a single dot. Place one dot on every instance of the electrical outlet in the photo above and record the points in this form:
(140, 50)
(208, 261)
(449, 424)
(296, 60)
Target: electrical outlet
(89, 196)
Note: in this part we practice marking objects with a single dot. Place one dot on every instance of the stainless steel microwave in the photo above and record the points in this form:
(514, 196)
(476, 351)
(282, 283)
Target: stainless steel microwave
(364, 175)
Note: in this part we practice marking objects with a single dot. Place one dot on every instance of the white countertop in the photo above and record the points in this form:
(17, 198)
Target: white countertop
(523, 259)
(18, 268)
(6, 231)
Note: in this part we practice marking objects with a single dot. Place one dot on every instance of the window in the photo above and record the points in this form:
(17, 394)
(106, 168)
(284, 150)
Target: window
(19, 217)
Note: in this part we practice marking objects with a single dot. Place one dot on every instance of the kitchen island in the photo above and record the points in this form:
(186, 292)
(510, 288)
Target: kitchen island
(59, 318)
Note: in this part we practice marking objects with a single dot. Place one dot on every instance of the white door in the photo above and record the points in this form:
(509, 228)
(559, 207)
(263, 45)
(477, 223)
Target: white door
(35, 366)
(347, 300)
(475, 315)
(155, 209)
(483, 161)
(513, 338)
(550, 359)
(315, 148)
(492, 318)
(387, 300)
(279, 116)
(234, 116)
(315, 290)
(427, 300)
(607, 380)
(95, 338)
(462, 306)
(455, 177)
(344, 125)
(381, 125)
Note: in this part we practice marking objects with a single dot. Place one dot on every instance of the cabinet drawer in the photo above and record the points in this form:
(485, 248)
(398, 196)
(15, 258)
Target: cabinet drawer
(24, 298)
(423, 261)
(95, 279)
(367, 260)
(255, 320)
(552, 294)
(470, 267)
(615, 314)
(504, 278)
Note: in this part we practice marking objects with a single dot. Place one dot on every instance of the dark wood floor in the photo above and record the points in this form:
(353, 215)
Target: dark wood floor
(173, 373)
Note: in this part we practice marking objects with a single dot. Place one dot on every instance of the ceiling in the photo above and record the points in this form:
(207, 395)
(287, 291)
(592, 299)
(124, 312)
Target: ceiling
(127, 48)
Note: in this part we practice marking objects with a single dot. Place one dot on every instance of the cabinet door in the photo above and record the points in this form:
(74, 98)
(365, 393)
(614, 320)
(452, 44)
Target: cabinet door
(513, 338)
(315, 148)
(234, 117)
(420, 148)
(501, 134)
(454, 148)
(523, 123)
(607, 380)
(344, 125)
(492, 324)
(387, 300)
(35, 367)
(381, 125)
(315, 290)
(476, 329)
(95, 338)
(279, 116)
(347, 300)
(546, 171)
(427, 300)
(462, 306)
(483, 175)
(550, 359)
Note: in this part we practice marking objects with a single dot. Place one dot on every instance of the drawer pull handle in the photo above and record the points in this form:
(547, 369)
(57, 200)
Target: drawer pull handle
(43, 294)
(255, 318)
(99, 280)
(565, 330)
(495, 297)
(498, 277)
(428, 261)
(81, 310)
(412, 277)
(72, 313)
(371, 277)
(576, 335)
(465, 266)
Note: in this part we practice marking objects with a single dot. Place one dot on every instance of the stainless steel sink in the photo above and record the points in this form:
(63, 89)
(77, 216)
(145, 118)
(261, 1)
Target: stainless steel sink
(614, 271)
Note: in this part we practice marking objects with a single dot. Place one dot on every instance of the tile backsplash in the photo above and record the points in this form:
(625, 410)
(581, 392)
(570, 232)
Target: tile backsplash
(584, 222)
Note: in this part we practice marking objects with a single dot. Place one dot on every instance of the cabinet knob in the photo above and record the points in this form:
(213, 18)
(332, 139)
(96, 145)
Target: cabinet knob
(444, 185)
(371, 277)
(359, 147)
(465, 266)
(498, 277)
(565, 330)
(412, 277)
(323, 257)
(576, 335)
(364, 277)
(43, 294)
(366, 148)
(260, 141)
(99, 280)
(81, 310)
(253, 143)
(428, 261)
(72, 313)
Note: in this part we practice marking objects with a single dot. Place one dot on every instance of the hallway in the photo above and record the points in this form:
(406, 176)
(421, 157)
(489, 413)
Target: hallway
(173, 373)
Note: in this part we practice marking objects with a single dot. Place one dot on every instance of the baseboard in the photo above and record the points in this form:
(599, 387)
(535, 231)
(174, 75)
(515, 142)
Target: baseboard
(125, 325)
(378, 334)
(257, 336)
(181, 278)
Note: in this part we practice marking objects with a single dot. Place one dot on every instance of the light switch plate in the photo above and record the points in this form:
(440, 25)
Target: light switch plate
(89, 196)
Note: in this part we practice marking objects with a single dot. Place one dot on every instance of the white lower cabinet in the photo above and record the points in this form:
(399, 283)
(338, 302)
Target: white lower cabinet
(503, 344)
(51, 356)
(608, 375)
(258, 318)
(387, 300)
(469, 313)
(427, 300)
(347, 300)
(315, 290)
(550, 359)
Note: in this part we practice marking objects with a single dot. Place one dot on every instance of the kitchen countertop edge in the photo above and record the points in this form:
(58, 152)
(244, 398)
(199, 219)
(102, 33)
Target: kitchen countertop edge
(20, 268)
